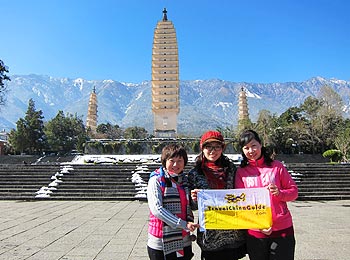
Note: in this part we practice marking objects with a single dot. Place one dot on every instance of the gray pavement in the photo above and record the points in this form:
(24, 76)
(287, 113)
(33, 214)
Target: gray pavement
(105, 230)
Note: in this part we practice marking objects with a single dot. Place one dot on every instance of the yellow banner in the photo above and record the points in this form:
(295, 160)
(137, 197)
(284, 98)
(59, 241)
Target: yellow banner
(234, 209)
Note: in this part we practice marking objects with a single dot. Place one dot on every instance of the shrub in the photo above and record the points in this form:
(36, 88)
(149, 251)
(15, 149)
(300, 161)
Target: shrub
(333, 155)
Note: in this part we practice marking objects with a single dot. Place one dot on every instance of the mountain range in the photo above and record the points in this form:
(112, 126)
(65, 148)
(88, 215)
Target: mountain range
(204, 104)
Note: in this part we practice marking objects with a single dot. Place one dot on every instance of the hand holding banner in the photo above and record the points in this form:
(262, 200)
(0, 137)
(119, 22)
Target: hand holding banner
(234, 209)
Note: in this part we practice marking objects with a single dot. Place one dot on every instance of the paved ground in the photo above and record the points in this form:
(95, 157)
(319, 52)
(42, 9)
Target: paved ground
(106, 230)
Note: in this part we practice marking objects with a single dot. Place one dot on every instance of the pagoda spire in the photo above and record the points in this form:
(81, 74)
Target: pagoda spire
(165, 17)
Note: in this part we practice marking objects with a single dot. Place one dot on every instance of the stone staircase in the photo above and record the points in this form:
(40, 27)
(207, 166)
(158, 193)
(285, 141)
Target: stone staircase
(127, 181)
(20, 182)
(321, 181)
(73, 182)
(122, 181)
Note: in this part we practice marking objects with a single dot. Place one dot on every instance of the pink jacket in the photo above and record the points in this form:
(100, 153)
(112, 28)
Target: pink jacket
(257, 174)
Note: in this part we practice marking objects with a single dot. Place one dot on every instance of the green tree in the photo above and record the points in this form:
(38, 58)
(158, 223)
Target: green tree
(29, 136)
(109, 131)
(311, 127)
(65, 133)
(310, 107)
(3, 78)
(135, 132)
(290, 116)
(17, 138)
(284, 133)
(342, 140)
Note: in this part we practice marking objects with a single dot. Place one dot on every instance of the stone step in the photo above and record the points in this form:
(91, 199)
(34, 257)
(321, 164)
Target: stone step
(92, 192)
(325, 178)
(30, 197)
(70, 186)
(100, 197)
(323, 182)
(306, 185)
(33, 186)
(322, 174)
(27, 190)
(334, 190)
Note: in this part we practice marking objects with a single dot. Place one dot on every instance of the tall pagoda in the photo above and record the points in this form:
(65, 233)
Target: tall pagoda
(165, 79)
(243, 112)
(91, 120)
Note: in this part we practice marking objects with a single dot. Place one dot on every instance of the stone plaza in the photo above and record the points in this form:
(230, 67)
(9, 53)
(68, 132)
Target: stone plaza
(106, 230)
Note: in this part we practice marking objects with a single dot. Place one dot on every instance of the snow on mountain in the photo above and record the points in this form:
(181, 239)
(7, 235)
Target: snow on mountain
(204, 104)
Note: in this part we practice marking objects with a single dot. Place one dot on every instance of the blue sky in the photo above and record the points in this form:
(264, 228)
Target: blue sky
(260, 41)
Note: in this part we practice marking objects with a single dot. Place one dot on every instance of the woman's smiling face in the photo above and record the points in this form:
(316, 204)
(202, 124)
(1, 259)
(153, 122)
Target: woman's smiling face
(252, 150)
(212, 151)
(175, 165)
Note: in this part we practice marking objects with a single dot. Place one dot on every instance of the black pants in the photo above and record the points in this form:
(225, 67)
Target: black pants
(275, 248)
(159, 254)
(225, 254)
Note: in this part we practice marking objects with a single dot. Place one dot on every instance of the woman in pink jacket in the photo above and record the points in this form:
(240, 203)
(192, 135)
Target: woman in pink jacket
(258, 169)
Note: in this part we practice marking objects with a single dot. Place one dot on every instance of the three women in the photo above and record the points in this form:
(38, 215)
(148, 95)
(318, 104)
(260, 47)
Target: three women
(214, 170)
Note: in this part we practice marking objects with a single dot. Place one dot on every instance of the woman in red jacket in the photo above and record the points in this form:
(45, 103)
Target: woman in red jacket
(257, 170)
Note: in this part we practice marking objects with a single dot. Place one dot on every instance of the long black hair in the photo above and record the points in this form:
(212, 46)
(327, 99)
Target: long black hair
(246, 137)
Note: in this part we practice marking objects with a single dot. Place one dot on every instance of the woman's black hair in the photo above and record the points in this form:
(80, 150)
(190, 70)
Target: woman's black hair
(246, 137)
(171, 151)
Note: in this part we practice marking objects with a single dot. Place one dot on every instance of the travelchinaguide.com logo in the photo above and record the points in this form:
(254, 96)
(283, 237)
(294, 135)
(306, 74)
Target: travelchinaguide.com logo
(233, 199)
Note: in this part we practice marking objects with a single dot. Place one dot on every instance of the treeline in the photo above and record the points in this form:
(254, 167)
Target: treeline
(61, 135)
